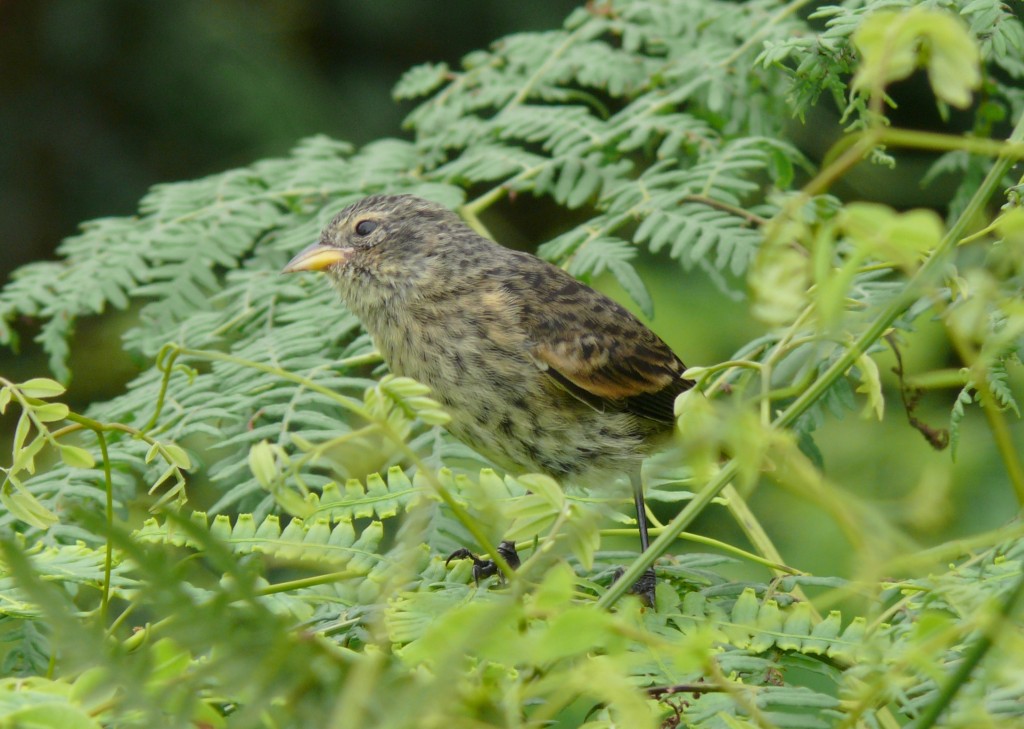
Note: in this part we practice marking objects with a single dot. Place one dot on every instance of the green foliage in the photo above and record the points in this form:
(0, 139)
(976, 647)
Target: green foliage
(281, 580)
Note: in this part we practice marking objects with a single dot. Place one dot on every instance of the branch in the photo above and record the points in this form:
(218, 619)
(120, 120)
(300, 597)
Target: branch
(931, 269)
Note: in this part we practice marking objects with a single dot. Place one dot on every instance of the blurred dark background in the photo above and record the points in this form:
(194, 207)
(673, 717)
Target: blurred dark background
(103, 98)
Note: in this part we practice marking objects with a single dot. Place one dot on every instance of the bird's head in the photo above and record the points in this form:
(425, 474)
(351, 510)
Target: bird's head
(389, 243)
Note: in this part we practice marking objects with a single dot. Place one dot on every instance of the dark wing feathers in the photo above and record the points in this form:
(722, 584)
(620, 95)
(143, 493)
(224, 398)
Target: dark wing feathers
(660, 405)
(593, 347)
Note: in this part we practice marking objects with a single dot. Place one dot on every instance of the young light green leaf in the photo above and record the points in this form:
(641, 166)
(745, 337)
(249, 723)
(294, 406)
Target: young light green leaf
(880, 232)
(871, 385)
(403, 387)
(893, 44)
(171, 661)
(25, 457)
(261, 463)
(76, 457)
(545, 487)
(175, 492)
(853, 640)
(531, 515)
(823, 634)
(5, 398)
(24, 506)
(21, 432)
(584, 537)
(301, 443)
(51, 714)
(292, 502)
(796, 627)
(555, 590)
(428, 410)
(745, 610)
(779, 282)
(41, 387)
(177, 455)
(769, 625)
(51, 411)
(1010, 226)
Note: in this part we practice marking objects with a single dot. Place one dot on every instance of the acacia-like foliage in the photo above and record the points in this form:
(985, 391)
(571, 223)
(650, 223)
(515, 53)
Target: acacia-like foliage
(281, 580)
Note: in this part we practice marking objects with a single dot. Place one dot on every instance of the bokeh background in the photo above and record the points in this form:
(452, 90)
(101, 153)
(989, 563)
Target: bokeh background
(103, 98)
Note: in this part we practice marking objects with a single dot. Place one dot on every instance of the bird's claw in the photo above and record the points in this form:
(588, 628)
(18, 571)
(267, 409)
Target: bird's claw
(642, 588)
(484, 568)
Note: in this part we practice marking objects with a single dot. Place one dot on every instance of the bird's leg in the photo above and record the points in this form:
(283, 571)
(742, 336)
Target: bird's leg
(641, 511)
(484, 568)
(644, 587)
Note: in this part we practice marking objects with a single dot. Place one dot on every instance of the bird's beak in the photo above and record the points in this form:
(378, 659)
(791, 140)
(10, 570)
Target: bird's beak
(317, 257)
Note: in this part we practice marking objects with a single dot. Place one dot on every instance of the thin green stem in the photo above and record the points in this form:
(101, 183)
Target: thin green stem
(1004, 441)
(933, 141)
(930, 270)
(356, 407)
(469, 213)
(670, 534)
(325, 579)
(775, 566)
(456, 508)
(783, 393)
(543, 68)
(704, 372)
(972, 657)
(142, 635)
(770, 556)
(120, 619)
(981, 232)
(348, 403)
(912, 139)
(725, 207)
(908, 295)
(165, 362)
(139, 637)
(360, 360)
(757, 535)
(548, 542)
(108, 554)
(27, 404)
(474, 207)
(763, 30)
(742, 694)
(993, 413)
(322, 191)
(847, 153)
(937, 379)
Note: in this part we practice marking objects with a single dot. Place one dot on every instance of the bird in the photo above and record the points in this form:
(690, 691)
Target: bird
(539, 372)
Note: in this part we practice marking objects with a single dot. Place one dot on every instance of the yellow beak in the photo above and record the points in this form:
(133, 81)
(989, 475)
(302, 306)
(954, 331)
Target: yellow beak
(316, 257)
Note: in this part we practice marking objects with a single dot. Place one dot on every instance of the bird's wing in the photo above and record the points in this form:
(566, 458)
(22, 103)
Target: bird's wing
(596, 349)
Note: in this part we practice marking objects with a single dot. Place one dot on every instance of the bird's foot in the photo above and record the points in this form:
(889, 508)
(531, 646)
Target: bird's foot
(484, 568)
(642, 588)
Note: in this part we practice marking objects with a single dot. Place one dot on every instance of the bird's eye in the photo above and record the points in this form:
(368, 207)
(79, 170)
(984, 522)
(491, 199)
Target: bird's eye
(365, 227)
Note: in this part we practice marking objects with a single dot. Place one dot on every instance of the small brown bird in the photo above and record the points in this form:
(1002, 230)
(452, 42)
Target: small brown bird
(539, 372)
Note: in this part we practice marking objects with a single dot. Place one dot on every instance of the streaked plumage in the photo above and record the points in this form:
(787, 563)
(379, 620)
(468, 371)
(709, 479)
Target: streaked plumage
(539, 371)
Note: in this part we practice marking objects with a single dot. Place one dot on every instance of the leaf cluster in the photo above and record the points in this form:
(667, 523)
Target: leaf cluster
(217, 545)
